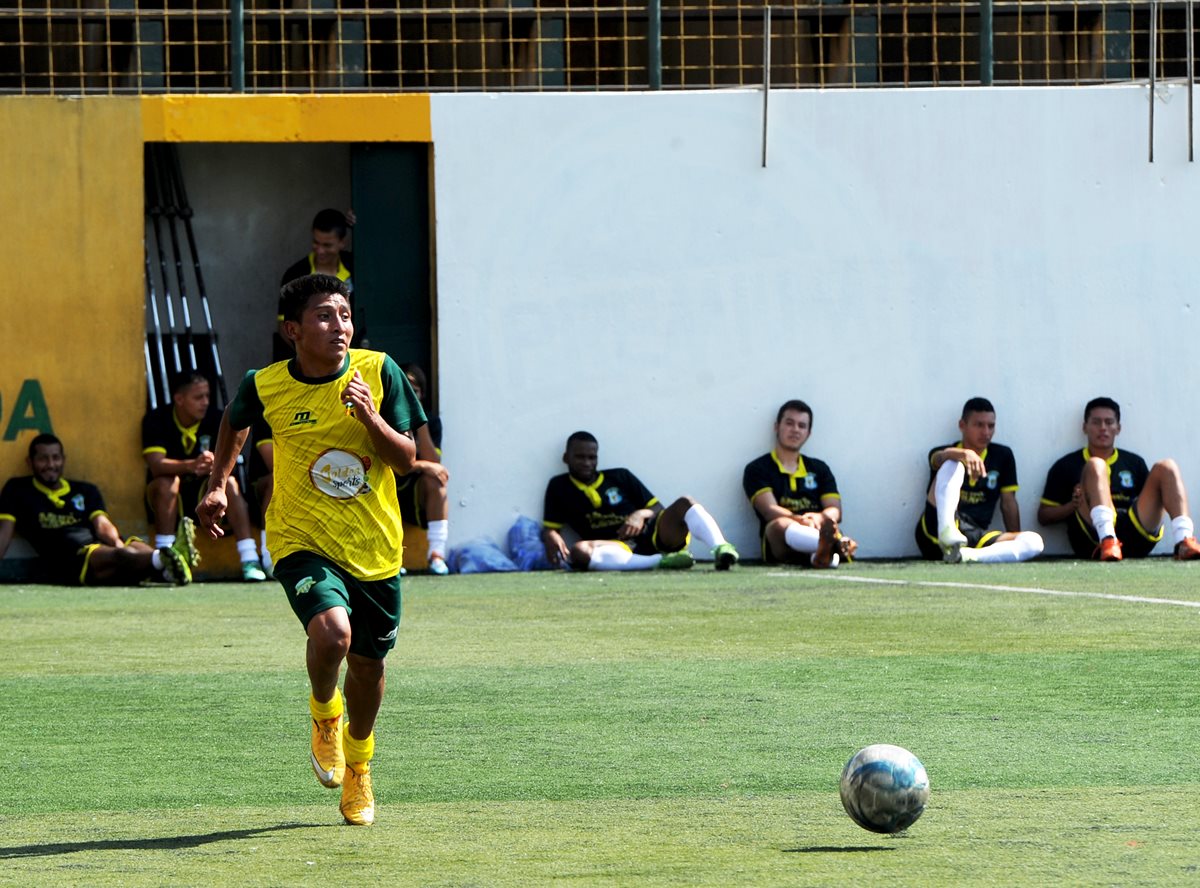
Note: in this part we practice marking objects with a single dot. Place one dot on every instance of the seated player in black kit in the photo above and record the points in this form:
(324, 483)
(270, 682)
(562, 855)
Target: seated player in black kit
(423, 492)
(796, 498)
(966, 481)
(65, 522)
(1112, 503)
(177, 442)
(620, 524)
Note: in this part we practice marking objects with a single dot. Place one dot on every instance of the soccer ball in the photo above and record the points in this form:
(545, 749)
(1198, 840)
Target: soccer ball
(884, 788)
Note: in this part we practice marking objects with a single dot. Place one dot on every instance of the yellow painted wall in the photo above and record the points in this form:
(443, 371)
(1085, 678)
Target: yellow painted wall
(72, 316)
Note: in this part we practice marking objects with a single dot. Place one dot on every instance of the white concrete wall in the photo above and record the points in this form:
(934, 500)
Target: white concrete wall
(624, 264)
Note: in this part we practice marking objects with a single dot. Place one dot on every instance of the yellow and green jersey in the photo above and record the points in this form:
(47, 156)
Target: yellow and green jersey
(334, 495)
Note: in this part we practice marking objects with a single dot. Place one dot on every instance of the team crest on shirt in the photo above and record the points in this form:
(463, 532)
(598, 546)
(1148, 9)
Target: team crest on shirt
(810, 482)
(77, 502)
(613, 495)
(339, 474)
(1125, 477)
(993, 479)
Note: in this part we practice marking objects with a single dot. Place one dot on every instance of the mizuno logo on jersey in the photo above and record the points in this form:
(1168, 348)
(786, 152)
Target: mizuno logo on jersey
(304, 417)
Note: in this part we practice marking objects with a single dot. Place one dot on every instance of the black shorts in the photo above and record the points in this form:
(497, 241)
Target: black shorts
(926, 534)
(1136, 541)
(408, 492)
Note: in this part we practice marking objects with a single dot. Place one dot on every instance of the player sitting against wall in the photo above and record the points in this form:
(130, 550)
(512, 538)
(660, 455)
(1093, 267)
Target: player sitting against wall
(1113, 504)
(177, 441)
(620, 524)
(65, 522)
(966, 480)
(795, 498)
(424, 498)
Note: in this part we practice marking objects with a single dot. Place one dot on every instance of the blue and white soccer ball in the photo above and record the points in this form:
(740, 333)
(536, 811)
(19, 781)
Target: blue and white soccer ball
(884, 788)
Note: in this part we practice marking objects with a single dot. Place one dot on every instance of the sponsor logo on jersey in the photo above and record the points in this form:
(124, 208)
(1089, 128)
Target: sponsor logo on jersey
(303, 417)
(339, 474)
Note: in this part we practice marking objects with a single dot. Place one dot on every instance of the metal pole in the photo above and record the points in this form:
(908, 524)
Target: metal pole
(654, 42)
(1153, 65)
(1191, 78)
(766, 78)
(986, 39)
(237, 45)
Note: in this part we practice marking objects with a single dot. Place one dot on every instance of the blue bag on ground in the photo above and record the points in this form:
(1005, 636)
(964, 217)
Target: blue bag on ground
(479, 556)
(525, 545)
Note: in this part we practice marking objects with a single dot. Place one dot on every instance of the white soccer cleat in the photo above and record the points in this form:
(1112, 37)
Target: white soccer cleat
(951, 539)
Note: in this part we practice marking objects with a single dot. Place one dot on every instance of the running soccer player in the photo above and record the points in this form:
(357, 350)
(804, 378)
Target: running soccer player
(65, 522)
(1113, 504)
(796, 498)
(177, 441)
(966, 481)
(342, 421)
(620, 524)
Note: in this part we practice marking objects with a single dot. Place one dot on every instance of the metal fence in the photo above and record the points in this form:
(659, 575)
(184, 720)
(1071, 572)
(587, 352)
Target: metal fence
(121, 46)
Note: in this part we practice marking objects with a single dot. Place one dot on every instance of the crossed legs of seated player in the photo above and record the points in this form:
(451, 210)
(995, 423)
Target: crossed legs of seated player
(811, 538)
(1008, 546)
(163, 494)
(1164, 493)
(131, 563)
(676, 521)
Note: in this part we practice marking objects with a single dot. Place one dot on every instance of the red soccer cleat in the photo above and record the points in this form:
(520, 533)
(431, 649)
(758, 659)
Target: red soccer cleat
(1109, 549)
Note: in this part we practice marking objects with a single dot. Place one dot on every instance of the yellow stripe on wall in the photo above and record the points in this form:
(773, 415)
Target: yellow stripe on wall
(287, 118)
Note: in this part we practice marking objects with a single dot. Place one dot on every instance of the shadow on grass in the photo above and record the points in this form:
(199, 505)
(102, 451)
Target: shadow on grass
(838, 849)
(166, 843)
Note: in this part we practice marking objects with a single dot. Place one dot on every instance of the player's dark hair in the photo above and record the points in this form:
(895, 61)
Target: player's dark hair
(1101, 403)
(45, 438)
(797, 405)
(415, 371)
(585, 437)
(295, 295)
(181, 381)
(977, 405)
(331, 220)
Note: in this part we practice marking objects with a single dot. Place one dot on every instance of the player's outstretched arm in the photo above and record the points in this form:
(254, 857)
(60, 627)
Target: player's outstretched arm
(211, 510)
(106, 532)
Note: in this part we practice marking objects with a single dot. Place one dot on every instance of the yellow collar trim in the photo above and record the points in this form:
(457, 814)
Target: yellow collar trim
(1087, 454)
(591, 491)
(188, 433)
(800, 472)
(342, 274)
(58, 496)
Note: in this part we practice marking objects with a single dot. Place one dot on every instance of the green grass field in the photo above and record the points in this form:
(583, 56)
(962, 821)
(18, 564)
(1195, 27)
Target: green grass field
(641, 729)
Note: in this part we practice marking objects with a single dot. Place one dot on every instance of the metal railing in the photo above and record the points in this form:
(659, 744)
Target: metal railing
(120, 46)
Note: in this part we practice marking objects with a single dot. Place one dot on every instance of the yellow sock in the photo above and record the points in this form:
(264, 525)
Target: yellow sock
(358, 750)
(332, 709)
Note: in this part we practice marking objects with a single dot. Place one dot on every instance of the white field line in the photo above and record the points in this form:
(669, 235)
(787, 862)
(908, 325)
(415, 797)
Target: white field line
(1032, 590)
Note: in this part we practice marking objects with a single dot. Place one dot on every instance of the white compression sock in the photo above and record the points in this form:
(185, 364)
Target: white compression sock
(801, 537)
(437, 534)
(1181, 529)
(266, 556)
(1103, 519)
(620, 558)
(156, 560)
(1027, 545)
(164, 540)
(700, 523)
(247, 551)
(946, 488)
